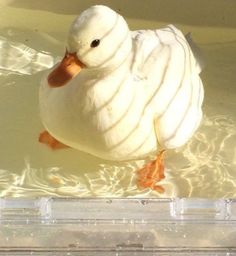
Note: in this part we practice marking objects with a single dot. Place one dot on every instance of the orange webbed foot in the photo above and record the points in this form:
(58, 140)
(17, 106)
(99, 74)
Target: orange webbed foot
(152, 173)
(46, 138)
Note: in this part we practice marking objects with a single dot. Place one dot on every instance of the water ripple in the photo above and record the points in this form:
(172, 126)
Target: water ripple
(205, 167)
(210, 158)
(18, 58)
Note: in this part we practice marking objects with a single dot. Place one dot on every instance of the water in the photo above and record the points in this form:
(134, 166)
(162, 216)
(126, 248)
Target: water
(31, 40)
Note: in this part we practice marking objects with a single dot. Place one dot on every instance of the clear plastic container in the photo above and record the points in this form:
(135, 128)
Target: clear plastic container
(60, 226)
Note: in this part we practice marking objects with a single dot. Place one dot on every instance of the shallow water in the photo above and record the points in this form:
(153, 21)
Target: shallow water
(205, 167)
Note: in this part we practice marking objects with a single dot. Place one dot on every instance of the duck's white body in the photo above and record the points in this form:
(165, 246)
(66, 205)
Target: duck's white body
(150, 98)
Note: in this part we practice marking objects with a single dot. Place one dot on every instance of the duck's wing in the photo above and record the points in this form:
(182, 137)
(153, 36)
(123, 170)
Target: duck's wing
(180, 94)
(151, 46)
(174, 89)
(145, 46)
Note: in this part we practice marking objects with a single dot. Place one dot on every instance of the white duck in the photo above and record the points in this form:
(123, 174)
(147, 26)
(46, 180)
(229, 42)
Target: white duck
(121, 94)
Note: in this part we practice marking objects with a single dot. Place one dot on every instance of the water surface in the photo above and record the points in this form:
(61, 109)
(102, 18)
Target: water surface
(31, 41)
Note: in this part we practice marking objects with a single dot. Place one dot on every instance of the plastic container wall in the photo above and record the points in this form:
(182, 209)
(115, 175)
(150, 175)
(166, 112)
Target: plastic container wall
(49, 226)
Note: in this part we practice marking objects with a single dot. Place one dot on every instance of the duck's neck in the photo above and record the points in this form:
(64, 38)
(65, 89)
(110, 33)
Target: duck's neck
(109, 72)
(99, 86)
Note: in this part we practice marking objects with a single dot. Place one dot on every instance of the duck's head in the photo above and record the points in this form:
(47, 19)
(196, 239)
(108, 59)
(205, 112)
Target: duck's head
(98, 38)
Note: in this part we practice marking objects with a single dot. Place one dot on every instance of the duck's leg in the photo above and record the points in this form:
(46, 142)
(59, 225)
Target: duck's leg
(46, 138)
(152, 173)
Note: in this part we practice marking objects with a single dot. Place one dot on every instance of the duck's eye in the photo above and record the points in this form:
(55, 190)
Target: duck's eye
(95, 43)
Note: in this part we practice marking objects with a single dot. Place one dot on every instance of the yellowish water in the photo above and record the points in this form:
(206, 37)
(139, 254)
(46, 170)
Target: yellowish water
(32, 39)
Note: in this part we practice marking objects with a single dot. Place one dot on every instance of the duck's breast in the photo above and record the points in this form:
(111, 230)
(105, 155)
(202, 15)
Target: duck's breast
(114, 119)
(103, 116)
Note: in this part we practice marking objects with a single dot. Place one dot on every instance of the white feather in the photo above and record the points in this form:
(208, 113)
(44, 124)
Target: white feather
(142, 92)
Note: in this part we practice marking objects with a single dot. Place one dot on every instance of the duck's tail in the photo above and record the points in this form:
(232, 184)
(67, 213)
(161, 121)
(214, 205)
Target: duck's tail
(197, 52)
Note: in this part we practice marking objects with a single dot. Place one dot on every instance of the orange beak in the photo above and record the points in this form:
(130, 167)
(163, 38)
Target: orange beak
(69, 67)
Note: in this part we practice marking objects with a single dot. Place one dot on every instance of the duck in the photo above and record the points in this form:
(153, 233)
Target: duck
(121, 95)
